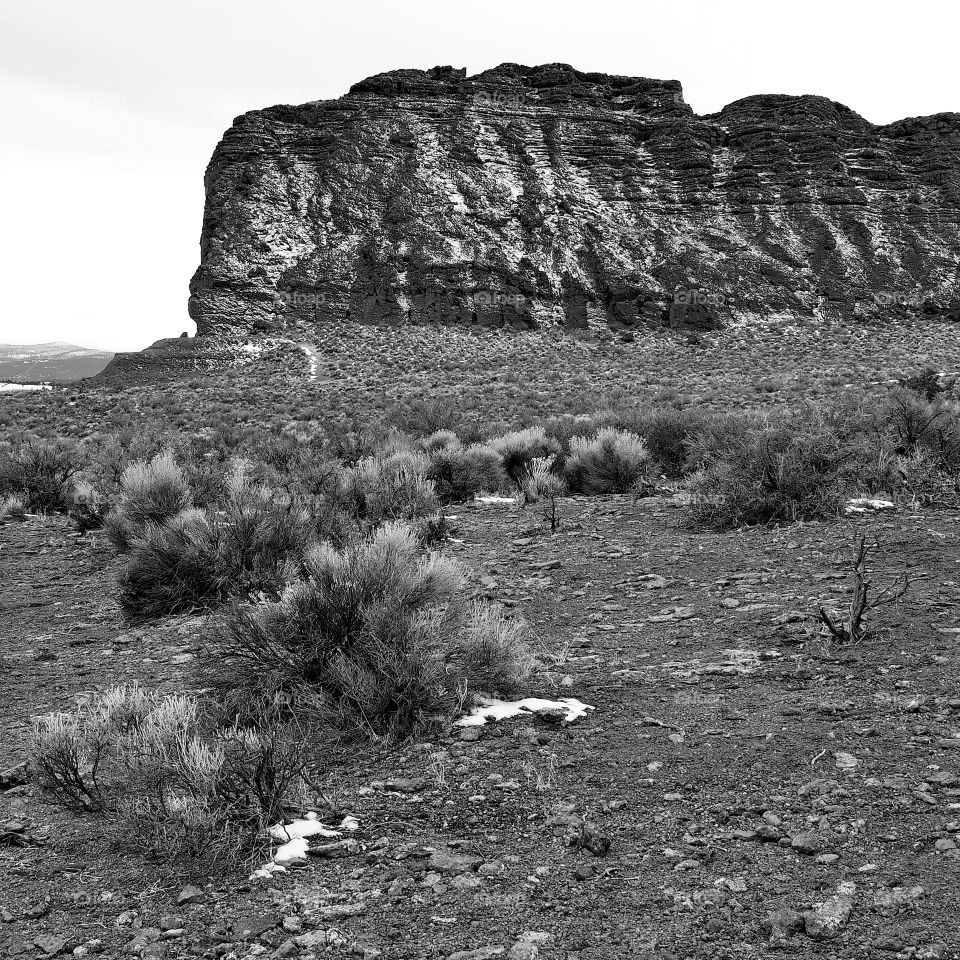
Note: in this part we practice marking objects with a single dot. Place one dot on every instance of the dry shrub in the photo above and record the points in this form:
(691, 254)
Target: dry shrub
(151, 493)
(916, 424)
(543, 487)
(394, 487)
(299, 472)
(261, 539)
(669, 434)
(459, 473)
(777, 471)
(518, 448)
(12, 507)
(197, 558)
(720, 433)
(612, 461)
(153, 762)
(378, 636)
(41, 473)
(172, 566)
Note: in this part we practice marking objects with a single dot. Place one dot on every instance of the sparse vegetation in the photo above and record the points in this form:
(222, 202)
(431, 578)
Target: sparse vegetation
(517, 448)
(379, 637)
(544, 488)
(325, 631)
(612, 461)
(154, 762)
(460, 473)
(40, 473)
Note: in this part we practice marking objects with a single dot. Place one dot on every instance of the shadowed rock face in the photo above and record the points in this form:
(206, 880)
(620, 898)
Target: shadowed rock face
(534, 196)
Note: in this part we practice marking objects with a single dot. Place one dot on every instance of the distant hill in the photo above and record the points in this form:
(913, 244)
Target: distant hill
(57, 361)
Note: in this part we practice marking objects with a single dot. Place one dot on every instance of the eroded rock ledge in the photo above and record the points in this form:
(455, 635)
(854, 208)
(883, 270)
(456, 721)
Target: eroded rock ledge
(533, 196)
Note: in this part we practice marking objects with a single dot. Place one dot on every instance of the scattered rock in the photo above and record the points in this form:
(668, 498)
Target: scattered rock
(591, 839)
(16, 776)
(251, 928)
(780, 924)
(892, 901)
(190, 894)
(523, 950)
(808, 842)
(828, 919)
(143, 939)
(446, 861)
(50, 945)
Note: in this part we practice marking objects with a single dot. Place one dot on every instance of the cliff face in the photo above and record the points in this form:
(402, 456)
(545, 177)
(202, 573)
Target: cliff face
(533, 196)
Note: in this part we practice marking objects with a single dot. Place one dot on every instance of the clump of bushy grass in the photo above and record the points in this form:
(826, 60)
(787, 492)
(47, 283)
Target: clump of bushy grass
(12, 507)
(611, 461)
(196, 558)
(41, 473)
(459, 473)
(517, 448)
(770, 472)
(391, 487)
(378, 637)
(156, 763)
(151, 494)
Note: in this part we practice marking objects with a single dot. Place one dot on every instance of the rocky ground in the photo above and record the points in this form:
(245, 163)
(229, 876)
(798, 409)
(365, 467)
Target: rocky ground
(736, 791)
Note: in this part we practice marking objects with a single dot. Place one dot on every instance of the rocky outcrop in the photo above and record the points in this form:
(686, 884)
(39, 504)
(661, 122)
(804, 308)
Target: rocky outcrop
(534, 196)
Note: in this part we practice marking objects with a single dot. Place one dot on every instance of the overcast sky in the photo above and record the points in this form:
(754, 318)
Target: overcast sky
(110, 109)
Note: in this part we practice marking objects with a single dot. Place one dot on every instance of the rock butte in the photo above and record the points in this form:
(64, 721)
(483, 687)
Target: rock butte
(529, 197)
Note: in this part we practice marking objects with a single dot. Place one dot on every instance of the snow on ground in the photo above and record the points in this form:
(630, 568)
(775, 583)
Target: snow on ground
(294, 845)
(866, 504)
(492, 709)
(11, 387)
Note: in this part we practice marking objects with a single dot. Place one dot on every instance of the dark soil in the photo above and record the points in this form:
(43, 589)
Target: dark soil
(734, 766)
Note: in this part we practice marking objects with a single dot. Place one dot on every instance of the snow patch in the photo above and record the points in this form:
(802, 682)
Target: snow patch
(492, 709)
(11, 387)
(866, 504)
(294, 846)
(493, 498)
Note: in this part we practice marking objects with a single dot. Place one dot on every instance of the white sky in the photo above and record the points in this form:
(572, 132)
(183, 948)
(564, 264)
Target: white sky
(110, 109)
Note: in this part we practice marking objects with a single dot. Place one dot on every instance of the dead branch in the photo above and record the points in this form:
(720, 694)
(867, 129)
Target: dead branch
(852, 630)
